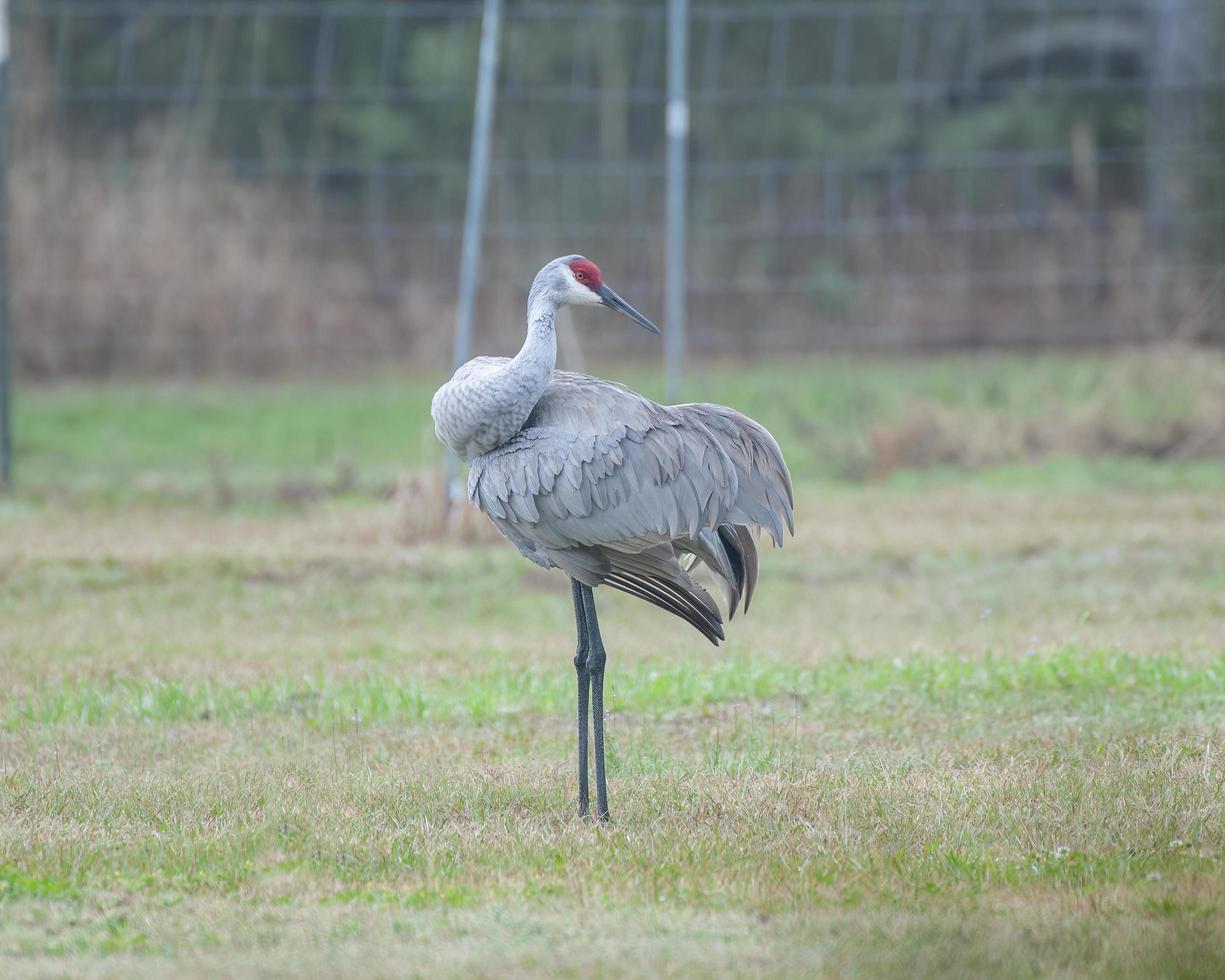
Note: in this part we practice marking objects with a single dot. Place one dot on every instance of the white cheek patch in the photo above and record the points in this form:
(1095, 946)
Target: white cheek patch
(581, 294)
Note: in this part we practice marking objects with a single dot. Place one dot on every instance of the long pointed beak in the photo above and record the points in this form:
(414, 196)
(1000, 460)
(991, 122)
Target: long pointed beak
(614, 302)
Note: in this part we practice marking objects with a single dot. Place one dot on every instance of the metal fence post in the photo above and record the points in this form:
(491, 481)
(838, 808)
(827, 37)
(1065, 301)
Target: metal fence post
(678, 133)
(474, 213)
(6, 371)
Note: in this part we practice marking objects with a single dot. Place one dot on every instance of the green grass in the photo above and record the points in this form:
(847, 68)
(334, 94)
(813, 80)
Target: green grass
(849, 687)
(186, 436)
(838, 418)
(972, 726)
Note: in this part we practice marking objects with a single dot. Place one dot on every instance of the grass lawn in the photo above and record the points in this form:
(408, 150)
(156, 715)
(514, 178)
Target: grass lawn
(973, 724)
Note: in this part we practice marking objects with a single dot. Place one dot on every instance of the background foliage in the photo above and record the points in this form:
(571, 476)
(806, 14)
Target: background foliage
(902, 174)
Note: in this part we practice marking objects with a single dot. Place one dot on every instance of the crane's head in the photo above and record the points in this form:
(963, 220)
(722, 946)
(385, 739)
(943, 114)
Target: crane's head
(575, 280)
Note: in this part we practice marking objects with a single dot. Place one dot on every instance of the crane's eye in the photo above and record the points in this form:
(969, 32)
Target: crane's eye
(580, 275)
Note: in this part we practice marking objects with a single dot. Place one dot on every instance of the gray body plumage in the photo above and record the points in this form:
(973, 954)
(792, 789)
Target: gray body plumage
(587, 476)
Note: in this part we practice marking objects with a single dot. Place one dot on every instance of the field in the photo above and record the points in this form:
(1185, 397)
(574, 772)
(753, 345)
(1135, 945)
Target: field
(262, 716)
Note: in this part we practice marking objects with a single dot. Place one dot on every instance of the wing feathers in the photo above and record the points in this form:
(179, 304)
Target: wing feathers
(611, 487)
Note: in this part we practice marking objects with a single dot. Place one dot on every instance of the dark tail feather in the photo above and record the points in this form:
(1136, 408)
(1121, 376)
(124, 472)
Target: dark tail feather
(748, 555)
(709, 547)
(741, 552)
(671, 598)
(653, 575)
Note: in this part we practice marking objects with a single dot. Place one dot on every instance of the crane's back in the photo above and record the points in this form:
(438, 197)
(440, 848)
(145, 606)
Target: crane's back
(616, 489)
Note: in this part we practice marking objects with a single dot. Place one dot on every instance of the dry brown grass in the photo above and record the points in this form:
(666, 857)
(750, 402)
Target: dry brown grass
(1188, 422)
(144, 257)
(339, 588)
(153, 271)
(960, 733)
(934, 435)
(423, 515)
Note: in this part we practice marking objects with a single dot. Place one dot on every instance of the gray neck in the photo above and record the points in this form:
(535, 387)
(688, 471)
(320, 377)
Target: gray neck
(480, 409)
(504, 400)
(531, 369)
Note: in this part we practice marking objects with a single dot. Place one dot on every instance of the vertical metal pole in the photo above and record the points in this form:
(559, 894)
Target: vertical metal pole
(678, 134)
(474, 214)
(6, 371)
(1177, 47)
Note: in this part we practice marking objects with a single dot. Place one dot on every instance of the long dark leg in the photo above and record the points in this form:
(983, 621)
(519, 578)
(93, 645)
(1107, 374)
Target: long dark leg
(584, 685)
(595, 667)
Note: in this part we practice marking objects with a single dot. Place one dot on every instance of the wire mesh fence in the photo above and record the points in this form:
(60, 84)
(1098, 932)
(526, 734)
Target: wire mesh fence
(266, 185)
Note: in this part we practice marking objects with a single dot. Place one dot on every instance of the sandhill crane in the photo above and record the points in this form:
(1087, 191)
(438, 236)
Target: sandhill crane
(589, 477)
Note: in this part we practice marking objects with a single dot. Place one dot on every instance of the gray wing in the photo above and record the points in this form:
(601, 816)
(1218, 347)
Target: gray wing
(614, 489)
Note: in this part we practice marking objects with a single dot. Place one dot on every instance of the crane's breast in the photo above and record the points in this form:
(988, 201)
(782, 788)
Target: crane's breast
(473, 414)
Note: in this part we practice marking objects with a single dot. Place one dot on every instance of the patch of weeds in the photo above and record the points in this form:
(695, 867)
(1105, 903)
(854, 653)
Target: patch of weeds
(119, 937)
(15, 883)
(425, 897)
(644, 686)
